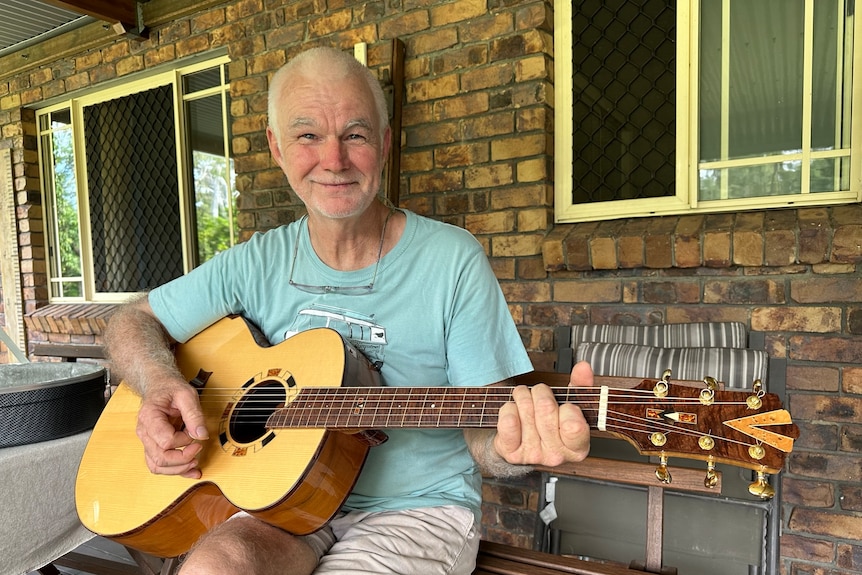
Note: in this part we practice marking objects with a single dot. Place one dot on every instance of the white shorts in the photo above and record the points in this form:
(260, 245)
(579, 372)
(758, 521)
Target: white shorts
(427, 541)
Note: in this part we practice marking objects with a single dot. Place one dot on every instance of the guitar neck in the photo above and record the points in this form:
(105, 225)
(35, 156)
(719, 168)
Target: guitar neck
(342, 408)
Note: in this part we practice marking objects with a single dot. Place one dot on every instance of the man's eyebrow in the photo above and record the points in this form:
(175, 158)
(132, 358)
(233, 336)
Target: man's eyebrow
(301, 122)
(359, 122)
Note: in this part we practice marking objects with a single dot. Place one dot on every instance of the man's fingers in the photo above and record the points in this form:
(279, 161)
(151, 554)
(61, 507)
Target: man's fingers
(508, 438)
(193, 417)
(582, 375)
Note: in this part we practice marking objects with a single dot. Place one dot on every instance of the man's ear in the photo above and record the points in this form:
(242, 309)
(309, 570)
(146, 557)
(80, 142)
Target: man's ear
(274, 148)
(387, 143)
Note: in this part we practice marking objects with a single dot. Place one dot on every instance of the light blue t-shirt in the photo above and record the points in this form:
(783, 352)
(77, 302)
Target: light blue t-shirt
(435, 317)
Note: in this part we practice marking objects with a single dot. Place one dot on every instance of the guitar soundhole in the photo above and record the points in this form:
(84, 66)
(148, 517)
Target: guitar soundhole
(248, 419)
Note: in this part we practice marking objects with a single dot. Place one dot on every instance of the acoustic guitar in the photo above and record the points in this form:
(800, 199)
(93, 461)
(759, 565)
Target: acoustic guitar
(290, 426)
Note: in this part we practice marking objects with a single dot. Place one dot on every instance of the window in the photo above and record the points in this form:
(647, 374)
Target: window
(138, 183)
(701, 106)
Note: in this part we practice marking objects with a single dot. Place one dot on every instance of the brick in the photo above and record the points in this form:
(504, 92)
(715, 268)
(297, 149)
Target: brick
(832, 408)
(490, 223)
(671, 292)
(437, 182)
(658, 246)
(538, 219)
(588, 291)
(748, 240)
(457, 11)
(460, 155)
(817, 522)
(717, 240)
(808, 319)
(433, 135)
(813, 378)
(847, 244)
(533, 170)
(824, 348)
(850, 497)
(847, 215)
(534, 68)
(480, 29)
(817, 436)
(490, 176)
(756, 291)
(553, 250)
(526, 196)
(492, 76)
(779, 238)
(603, 253)
(192, 45)
(433, 88)
(832, 290)
(175, 32)
(852, 380)
(687, 241)
(532, 268)
(488, 126)
(459, 58)
(526, 291)
(519, 147)
(460, 106)
(851, 438)
(815, 235)
(849, 556)
(807, 548)
(130, 65)
(516, 245)
(405, 23)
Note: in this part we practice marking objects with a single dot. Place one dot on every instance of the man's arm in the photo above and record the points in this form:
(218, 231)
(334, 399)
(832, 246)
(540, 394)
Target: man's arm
(170, 418)
(533, 430)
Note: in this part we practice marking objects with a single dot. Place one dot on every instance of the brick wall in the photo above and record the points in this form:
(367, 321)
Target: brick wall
(477, 152)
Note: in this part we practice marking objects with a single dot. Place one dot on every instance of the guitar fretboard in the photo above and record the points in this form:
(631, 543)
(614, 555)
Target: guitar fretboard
(410, 407)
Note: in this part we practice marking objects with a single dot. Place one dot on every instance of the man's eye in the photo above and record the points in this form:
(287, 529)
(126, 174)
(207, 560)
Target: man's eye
(358, 137)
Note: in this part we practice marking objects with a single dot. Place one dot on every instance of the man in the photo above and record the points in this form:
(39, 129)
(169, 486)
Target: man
(416, 296)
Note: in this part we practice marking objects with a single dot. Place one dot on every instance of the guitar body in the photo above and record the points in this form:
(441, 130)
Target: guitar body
(296, 479)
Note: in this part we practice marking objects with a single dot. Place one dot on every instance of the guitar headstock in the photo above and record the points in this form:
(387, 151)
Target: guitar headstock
(745, 428)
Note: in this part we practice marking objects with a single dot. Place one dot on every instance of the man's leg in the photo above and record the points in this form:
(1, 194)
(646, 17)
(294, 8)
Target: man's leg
(427, 541)
(247, 546)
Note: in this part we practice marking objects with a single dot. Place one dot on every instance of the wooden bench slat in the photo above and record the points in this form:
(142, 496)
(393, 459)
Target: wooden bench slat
(499, 559)
(69, 350)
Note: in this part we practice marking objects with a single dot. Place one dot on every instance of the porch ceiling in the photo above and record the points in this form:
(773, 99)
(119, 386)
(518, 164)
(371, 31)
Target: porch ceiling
(26, 22)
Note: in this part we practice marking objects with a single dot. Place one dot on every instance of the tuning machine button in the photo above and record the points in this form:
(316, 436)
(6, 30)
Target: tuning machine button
(662, 386)
(757, 452)
(761, 487)
(711, 479)
(753, 401)
(661, 472)
(706, 442)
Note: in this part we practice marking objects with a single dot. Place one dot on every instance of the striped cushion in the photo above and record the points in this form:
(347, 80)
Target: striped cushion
(735, 367)
(708, 334)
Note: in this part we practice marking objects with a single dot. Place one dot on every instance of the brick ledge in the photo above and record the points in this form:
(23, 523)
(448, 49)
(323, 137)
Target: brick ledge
(774, 238)
(84, 319)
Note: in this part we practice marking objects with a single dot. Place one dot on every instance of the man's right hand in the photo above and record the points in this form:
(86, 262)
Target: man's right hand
(171, 426)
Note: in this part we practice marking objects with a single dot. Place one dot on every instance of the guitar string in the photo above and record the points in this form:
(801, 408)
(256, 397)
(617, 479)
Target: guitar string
(624, 422)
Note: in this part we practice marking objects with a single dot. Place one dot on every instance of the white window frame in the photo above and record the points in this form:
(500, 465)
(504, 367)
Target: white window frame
(174, 78)
(685, 199)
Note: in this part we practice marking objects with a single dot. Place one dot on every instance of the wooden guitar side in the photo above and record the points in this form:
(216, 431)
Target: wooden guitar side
(296, 479)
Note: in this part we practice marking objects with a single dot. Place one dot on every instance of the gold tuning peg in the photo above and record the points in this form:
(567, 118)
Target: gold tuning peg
(661, 472)
(711, 479)
(761, 487)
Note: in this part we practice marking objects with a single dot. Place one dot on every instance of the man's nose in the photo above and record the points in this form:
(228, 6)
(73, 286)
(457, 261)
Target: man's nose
(333, 155)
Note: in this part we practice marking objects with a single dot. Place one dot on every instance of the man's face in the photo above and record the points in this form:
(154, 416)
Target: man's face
(330, 146)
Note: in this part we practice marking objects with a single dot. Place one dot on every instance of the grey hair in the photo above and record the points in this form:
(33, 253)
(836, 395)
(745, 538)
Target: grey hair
(310, 63)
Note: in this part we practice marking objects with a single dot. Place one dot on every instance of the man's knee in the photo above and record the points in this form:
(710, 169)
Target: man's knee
(247, 546)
